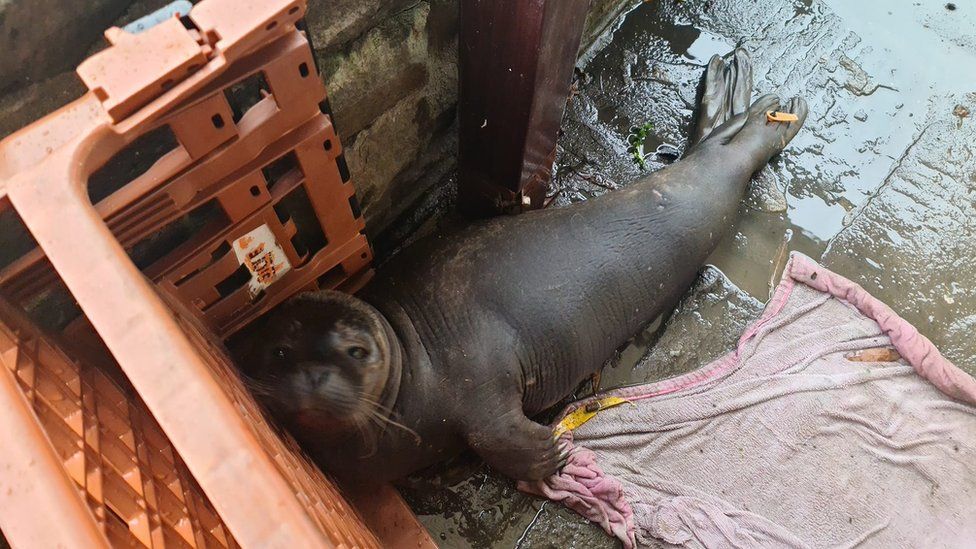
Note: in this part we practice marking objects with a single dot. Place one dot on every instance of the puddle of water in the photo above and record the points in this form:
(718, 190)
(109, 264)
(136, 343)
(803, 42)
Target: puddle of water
(705, 46)
(750, 257)
(937, 45)
(694, 44)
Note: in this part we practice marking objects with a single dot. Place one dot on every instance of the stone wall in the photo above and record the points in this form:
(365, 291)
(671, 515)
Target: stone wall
(390, 66)
(393, 89)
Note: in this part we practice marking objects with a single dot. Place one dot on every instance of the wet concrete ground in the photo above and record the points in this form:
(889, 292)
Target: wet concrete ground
(880, 186)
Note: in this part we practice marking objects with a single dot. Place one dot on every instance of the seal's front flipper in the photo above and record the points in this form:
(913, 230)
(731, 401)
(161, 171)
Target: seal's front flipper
(517, 446)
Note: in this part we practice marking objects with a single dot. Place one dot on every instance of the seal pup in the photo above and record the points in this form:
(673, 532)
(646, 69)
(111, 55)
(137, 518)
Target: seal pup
(464, 336)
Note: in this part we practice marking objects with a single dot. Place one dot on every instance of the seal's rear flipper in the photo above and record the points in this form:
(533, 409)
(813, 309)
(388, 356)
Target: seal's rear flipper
(726, 93)
(758, 138)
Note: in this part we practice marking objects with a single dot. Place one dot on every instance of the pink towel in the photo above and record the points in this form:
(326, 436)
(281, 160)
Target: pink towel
(787, 442)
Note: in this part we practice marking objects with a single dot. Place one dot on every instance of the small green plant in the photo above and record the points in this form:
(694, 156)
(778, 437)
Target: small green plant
(638, 134)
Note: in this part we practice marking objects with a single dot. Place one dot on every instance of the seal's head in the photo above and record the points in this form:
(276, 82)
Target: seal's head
(323, 360)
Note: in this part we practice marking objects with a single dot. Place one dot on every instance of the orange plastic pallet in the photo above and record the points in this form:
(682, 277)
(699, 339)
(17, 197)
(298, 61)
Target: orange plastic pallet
(229, 164)
(164, 336)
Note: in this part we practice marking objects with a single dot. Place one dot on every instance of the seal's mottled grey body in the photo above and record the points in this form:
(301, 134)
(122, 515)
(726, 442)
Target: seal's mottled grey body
(481, 354)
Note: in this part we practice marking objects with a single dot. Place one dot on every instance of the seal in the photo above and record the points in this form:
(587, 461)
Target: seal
(464, 336)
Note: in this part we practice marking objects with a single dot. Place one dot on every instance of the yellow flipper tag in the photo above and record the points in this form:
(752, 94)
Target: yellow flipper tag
(776, 116)
(585, 413)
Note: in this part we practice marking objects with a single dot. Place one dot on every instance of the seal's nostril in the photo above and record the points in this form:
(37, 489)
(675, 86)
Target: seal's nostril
(318, 377)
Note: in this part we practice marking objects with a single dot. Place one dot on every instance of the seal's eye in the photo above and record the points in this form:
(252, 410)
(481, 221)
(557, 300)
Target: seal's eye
(281, 353)
(357, 352)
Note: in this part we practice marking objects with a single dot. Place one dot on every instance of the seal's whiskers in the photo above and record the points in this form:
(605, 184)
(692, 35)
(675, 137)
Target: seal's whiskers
(383, 420)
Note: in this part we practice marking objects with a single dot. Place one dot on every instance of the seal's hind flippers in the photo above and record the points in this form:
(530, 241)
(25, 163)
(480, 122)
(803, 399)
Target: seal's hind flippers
(725, 94)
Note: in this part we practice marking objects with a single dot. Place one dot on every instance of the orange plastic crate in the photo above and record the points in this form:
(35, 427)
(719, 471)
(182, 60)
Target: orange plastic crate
(272, 177)
(134, 488)
(183, 457)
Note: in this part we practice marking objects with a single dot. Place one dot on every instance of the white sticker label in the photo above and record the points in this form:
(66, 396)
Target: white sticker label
(260, 252)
